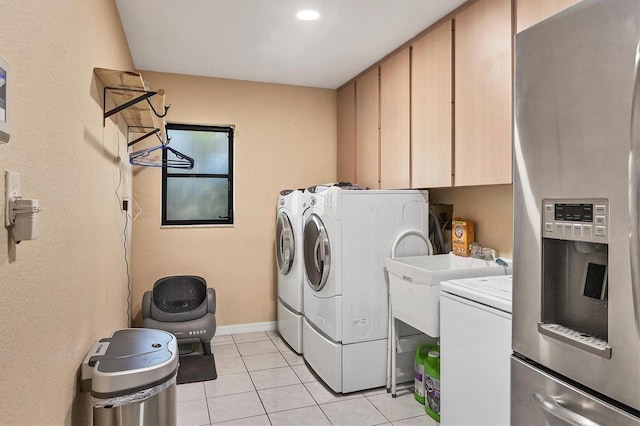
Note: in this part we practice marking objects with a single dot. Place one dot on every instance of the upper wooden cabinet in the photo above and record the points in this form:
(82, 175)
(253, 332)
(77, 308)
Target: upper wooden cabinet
(431, 108)
(347, 133)
(394, 121)
(530, 12)
(367, 129)
(439, 112)
(483, 46)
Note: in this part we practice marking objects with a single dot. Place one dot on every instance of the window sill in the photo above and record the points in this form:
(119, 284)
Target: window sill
(196, 226)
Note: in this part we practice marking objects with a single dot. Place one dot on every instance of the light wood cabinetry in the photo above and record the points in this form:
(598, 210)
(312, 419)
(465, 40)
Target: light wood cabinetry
(432, 108)
(347, 133)
(530, 12)
(438, 113)
(367, 129)
(394, 121)
(482, 75)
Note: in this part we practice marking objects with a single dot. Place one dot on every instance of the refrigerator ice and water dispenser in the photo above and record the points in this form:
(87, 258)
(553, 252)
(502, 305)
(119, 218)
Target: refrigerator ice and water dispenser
(574, 273)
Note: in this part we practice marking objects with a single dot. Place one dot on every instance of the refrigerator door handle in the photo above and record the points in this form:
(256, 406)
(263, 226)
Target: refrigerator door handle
(551, 407)
(634, 195)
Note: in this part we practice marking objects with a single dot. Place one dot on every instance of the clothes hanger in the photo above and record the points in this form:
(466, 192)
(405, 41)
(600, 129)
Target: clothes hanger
(145, 157)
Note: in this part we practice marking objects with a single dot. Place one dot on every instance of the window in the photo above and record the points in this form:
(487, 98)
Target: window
(203, 195)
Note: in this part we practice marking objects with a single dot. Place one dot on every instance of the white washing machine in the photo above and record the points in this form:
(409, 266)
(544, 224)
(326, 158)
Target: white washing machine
(290, 265)
(475, 351)
(348, 234)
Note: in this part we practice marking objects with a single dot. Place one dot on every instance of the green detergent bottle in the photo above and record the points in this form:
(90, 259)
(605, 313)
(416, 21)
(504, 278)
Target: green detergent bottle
(422, 351)
(432, 384)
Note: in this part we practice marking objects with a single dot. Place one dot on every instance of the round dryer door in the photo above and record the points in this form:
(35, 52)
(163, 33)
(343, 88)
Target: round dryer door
(317, 253)
(285, 244)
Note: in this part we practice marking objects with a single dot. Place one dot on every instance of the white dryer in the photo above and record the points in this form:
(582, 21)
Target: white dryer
(348, 234)
(290, 264)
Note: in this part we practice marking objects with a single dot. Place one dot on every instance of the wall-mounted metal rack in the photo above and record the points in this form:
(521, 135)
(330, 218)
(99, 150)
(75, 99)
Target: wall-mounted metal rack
(128, 91)
(131, 97)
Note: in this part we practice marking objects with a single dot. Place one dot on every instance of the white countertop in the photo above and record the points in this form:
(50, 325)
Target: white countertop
(491, 291)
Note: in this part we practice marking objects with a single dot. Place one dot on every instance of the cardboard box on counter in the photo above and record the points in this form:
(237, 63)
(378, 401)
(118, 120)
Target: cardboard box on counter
(462, 236)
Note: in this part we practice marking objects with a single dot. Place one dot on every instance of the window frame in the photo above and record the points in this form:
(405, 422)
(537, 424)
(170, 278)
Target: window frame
(166, 173)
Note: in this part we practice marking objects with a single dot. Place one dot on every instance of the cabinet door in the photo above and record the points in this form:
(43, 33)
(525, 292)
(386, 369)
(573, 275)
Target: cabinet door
(530, 12)
(394, 121)
(347, 133)
(483, 93)
(367, 129)
(431, 108)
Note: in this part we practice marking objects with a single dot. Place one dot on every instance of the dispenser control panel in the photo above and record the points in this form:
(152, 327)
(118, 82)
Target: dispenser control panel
(576, 219)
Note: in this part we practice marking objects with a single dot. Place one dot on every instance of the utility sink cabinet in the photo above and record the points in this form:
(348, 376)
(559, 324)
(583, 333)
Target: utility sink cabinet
(414, 294)
(414, 284)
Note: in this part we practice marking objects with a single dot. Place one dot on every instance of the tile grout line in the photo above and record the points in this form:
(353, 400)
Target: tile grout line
(252, 382)
(316, 403)
(304, 385)
(388, 420)
(259, 397)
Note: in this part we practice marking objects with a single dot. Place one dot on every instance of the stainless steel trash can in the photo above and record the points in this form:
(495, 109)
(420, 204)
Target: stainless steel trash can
(132, 378)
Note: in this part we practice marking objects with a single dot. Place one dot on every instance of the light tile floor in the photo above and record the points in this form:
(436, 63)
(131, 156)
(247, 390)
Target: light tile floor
(261, 381)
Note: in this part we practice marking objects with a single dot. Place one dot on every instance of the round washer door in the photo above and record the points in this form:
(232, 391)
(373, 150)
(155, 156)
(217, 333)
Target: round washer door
(317, 252)
(285, 244)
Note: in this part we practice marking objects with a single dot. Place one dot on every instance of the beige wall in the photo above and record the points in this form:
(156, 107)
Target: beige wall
(490, 207)
(285, 137)
(61, 292)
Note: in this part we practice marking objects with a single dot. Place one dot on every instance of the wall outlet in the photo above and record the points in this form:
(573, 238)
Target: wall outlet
(125, 205)
(12, 189)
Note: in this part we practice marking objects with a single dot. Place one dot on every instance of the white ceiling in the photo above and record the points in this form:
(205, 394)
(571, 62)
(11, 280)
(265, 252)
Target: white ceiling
(262, 40)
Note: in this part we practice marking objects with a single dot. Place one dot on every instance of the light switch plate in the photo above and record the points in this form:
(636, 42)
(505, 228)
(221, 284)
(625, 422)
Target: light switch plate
(12, 189)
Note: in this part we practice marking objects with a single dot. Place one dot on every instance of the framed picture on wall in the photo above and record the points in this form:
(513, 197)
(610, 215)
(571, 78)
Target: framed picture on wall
(4, 105)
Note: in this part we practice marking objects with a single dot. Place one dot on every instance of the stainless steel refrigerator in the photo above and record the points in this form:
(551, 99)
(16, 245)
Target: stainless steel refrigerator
(576, 280)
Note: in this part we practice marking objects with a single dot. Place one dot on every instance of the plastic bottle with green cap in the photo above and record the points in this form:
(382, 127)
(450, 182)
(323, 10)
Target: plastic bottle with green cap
(432, 385)
(422, 351)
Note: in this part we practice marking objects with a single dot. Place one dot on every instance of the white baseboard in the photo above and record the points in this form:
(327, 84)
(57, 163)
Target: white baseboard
(223, 330)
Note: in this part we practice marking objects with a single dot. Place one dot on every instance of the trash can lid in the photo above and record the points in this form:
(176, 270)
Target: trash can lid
(131, 360)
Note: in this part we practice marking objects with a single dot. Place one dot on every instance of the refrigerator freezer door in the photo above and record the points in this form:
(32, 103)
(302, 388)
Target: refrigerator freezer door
(574, 80)
(537, 398)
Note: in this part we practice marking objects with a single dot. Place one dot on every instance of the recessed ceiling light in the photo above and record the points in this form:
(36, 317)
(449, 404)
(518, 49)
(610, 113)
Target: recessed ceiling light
(308, 15)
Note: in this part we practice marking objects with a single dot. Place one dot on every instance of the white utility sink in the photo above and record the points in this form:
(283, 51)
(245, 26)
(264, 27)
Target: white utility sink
(414, 285)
